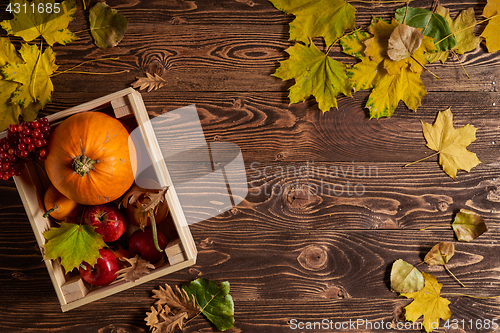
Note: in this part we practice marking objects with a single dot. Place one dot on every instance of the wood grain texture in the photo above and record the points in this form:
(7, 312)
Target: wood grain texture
(296, 247)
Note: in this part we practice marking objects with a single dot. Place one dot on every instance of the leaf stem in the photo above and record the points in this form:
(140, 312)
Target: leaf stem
(386, 1)
(151, 214)
(83, 63)
(91, 73)
(453, 275)
(435, 226)
(418, 62)
(458, 59)
(422, 159)
(471, 296)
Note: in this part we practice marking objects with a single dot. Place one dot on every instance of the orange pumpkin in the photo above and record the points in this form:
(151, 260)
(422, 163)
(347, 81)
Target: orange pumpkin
(90, 159)
(58, 206)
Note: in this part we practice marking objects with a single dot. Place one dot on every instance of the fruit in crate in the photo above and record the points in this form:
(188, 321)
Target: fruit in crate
(104, 270)
(108, 219)
(58, 206)
(24, 142)
(142, 243)
(90, 158)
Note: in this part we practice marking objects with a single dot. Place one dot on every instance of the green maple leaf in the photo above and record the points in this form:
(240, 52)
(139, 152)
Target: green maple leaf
(107, 25)
(10, 112)
(315, 74)
(74, 244)
(318, 18)
(463, 30)
(34, 75)
(432, 25)
(214, 301)
(30, 24)
(428, 303)
(490, 33)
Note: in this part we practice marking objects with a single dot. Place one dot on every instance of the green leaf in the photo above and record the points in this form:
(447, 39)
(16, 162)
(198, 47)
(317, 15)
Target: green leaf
(405, 278)
(315, 74)
(107, 25)
(29, 24)
(468, 225)
(34, 75)
(433, 25)
(214, 301)
(318, 18)
(74, 244)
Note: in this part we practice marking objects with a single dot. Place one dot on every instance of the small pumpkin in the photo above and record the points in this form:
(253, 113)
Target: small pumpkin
(58, 206)
(91, 159)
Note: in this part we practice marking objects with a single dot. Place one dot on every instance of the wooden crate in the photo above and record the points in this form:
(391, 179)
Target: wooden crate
(31, 185)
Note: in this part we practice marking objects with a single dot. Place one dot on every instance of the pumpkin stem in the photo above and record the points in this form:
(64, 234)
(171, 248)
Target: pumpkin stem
(83, 164)
(53, 209)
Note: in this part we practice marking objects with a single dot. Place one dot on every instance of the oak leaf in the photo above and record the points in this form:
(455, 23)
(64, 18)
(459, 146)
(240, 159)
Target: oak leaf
(405, 277)
(431, 23)
(214, 301)
(318, 18)
(137, 269)
(34, 75)
(316, 74)
(490, 33)
(175, 299)
(450, 143)
(404, 42)
(149, 82)
(468, 225)
(74, 244)
(161, 322)
(428, 303)
(53, 27)
(463, 30)
(107, 25)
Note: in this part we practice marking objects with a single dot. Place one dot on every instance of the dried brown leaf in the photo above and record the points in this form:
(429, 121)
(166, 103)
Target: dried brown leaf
(149, 82)
(440, 254)
(147, 202)
(176, 299)
(138, 268)
(404, 41)
(170, 323)
(152, 317)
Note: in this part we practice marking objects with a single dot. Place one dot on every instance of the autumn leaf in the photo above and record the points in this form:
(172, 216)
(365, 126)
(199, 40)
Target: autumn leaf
(34, 75)
(352, 44)
(176, 299)
(428, 303)
(215, 302)
(318, 18)
(468, 225)
(405, 278)
(107, 25)
(440, 254)
(404, 42)
(137, 268)
(74, 244)
(29, 24)
(432, 25)
(149, 82)
(315, 74)
(450, 143)
(490, 33)
(463, 30)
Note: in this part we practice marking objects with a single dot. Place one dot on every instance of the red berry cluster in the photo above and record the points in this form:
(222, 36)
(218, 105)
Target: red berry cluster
(24, 142)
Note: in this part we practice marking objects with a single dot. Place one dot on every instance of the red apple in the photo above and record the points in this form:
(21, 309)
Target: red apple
(142, 243)
(108, 219)
(104, 270)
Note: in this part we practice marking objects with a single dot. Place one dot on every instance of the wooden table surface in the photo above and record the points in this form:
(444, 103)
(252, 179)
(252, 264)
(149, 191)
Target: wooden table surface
(287, 255)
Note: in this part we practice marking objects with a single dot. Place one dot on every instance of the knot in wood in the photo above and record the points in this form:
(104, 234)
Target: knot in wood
(301, 197)
(443, 206)
(313, 258)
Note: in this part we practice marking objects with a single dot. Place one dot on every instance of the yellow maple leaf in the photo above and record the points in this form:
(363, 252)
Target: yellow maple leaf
(34, 75)
(315, 74)
(451, 143)
(428, 303)
(30, 22)
(318, 18)
(490, 33)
